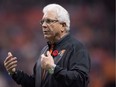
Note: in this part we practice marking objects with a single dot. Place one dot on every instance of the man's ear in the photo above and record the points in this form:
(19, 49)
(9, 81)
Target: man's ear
(63, 26)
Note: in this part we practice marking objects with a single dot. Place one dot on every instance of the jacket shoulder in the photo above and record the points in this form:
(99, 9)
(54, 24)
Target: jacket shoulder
(76, 44)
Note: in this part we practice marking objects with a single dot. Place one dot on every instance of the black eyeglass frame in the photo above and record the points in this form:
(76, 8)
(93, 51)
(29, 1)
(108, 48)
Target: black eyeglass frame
(48, 21)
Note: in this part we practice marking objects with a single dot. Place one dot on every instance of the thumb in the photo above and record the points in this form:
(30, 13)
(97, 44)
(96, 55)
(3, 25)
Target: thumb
(10, 54)
(42, 55)
(48, 53)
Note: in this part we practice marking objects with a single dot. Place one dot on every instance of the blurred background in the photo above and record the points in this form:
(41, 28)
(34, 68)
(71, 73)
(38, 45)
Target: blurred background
(92, 22)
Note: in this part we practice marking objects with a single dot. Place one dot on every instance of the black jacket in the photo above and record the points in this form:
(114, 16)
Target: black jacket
(72, 67)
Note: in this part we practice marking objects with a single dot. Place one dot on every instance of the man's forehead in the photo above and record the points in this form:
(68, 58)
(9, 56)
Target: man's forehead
(50, 14)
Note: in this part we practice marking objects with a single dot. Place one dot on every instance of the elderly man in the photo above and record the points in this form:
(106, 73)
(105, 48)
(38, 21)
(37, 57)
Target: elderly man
(64, 61)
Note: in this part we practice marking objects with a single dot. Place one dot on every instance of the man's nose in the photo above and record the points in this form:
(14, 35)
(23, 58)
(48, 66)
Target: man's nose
(44, 25)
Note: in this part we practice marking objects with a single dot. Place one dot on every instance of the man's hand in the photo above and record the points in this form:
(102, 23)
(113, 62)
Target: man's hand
(47, 62)
(10, 63)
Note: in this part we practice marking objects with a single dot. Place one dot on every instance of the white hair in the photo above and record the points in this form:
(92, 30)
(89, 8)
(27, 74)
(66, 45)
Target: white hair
(63, 15)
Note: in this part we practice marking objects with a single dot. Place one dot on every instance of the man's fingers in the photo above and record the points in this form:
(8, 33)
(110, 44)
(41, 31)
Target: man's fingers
(12, 68)
(11, 64)
(9, 57)
(10, 61)
(42, 55)
(48, 53)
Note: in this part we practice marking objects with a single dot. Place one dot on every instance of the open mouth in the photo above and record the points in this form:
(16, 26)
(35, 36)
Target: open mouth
(46, 32)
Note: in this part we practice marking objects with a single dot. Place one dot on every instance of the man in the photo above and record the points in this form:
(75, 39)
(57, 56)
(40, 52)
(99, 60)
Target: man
(64, 61)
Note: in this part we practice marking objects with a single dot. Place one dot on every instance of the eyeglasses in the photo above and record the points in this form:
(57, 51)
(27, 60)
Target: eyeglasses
(48, 21)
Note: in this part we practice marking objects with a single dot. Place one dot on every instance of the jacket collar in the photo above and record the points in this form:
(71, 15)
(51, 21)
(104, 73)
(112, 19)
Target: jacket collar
(61, 41)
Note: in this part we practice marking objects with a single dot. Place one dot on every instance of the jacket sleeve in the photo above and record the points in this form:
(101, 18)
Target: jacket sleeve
(23, 79)
(77, 74)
